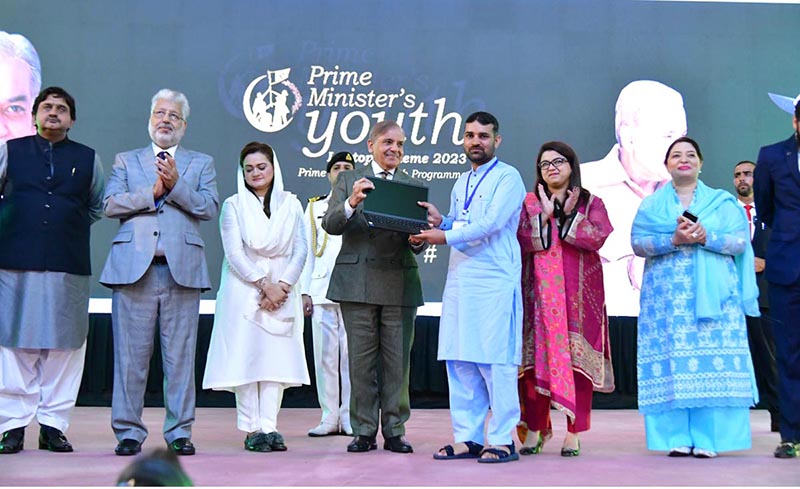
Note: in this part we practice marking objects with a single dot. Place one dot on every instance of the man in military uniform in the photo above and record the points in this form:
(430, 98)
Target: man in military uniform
(330, 339)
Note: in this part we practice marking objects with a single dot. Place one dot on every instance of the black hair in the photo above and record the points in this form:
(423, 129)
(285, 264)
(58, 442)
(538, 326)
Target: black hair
(56, 92)
(684, 139)
(484, 118)
(567, 152)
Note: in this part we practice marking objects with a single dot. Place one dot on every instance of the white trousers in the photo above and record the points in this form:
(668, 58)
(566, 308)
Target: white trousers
(331, 366)
(257, 406)
(474, 389)
(41, 383)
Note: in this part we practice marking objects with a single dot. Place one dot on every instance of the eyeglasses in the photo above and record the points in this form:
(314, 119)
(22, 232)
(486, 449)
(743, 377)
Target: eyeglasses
(172, 116)
(556, 163)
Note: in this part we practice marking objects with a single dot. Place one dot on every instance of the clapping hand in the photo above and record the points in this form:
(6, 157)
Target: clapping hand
(166, 170)
(548, 205)
(158, 188)
(572, 199)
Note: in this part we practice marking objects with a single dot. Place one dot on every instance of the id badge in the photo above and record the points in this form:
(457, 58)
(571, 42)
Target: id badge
(459, 224)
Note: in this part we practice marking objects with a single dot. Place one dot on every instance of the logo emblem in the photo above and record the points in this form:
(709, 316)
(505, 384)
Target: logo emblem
(271, 101)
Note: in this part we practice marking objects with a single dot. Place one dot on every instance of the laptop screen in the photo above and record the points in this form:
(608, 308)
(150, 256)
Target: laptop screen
(396, 199)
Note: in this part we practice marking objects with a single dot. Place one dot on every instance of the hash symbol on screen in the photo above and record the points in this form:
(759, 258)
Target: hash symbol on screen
(429, 255)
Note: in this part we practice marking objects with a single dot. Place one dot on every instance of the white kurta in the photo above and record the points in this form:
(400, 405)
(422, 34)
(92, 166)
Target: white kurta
(482, 301)
(242, 352)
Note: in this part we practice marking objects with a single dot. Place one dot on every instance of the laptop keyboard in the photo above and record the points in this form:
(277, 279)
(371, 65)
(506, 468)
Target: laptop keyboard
(396, 224)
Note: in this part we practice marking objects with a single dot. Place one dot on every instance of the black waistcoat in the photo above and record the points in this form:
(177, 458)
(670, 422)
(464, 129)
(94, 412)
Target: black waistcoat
(44, 206)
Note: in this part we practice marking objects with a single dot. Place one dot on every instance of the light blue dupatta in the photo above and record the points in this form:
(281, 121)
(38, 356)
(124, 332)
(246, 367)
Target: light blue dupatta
(719, 214)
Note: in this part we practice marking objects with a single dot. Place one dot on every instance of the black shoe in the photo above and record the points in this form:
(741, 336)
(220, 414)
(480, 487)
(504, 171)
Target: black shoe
(182, 446)
(53, 440)
(128, 446)
(786, 450)
(257, 442)
(362, 444)
(276, 442)
(12, 440)
(397, 444)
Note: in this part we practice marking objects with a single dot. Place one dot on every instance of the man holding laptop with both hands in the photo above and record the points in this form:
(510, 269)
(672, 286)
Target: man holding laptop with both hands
(376, 283)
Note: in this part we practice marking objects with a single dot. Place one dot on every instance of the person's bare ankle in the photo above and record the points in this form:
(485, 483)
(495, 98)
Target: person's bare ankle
(532, 439)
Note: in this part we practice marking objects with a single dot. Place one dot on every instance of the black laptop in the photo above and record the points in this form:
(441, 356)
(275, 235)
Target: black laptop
(393, 206)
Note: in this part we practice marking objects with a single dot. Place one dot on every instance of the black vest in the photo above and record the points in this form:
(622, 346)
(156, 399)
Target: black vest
(44, 206)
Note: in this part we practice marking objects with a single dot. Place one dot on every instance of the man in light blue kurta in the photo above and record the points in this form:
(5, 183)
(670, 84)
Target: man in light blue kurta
(480, 332)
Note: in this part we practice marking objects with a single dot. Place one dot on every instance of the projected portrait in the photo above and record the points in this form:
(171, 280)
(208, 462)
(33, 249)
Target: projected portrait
(649, 117)
(20, 81)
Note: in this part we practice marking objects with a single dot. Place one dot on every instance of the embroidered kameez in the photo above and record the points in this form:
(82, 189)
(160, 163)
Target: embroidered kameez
(565, 326)
(693, 360)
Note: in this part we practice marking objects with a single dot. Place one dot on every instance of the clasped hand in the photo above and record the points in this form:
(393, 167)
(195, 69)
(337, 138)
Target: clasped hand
(272, 296)
(689, 232)
(166, 176)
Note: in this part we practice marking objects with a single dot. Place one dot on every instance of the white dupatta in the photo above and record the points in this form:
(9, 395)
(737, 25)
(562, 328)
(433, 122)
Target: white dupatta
(270, 241)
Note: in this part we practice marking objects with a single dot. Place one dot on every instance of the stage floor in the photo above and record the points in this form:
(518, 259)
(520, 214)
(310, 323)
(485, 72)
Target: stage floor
(613, 453)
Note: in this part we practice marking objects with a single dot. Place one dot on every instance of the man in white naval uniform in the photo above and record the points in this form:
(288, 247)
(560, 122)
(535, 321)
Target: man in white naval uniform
(330, 340)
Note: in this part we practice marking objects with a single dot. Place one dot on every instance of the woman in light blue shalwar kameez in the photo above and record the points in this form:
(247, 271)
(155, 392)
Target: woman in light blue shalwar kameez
(696, 381)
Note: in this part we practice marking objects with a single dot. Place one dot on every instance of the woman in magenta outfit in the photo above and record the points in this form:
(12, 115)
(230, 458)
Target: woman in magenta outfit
(565, 347)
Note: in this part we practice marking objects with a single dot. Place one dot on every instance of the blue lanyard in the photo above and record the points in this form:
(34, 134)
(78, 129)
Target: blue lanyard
(468, 195)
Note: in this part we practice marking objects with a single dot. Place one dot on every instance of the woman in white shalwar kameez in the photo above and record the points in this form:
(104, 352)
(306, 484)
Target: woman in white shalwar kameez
(256, 348)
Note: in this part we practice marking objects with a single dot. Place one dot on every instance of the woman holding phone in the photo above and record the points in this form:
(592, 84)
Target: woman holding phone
(695, 375)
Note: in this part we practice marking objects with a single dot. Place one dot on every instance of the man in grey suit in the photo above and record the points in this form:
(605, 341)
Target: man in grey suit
(376, 283)
(157, 270)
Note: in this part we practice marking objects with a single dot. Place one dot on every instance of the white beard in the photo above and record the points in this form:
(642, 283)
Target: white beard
(166, 140)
